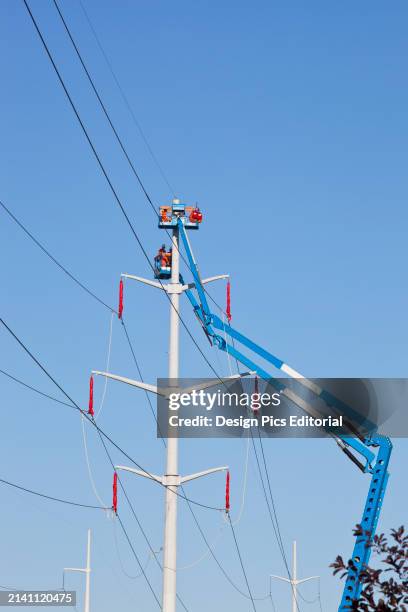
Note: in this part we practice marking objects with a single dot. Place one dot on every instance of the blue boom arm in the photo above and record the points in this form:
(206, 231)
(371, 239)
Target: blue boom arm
(371, 452)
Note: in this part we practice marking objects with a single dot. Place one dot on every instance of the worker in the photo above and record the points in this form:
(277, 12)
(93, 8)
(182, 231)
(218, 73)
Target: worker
(168, 257)
(160, 252)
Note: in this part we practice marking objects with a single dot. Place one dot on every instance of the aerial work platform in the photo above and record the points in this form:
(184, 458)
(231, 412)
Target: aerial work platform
(169, 215)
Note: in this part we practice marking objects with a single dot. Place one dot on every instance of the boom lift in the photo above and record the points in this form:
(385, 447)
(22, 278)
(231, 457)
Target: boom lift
(370, 453)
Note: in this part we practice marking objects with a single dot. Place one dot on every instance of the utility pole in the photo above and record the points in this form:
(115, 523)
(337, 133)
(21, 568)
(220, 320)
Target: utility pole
(87, 571)
(294, 582)
(170, 526)
(171, 480)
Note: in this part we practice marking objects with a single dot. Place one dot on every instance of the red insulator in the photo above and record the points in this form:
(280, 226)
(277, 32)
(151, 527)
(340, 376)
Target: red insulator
(227, 493)
(120, 311)
(228, 310)
(115, 493)
(90, 407)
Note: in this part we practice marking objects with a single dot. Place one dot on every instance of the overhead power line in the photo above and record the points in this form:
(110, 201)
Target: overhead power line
(125, 99)
(117, 199)
(187, 499)
(108, 180)
(85, 288)
(271, 508)
(102, 435)
(217, 561)
(50, 497)
(118, 138)
(142, 569)
(92, 421)
(24, 384)
(136, 518)
(50, 256)
(114, 129)
(242, 563)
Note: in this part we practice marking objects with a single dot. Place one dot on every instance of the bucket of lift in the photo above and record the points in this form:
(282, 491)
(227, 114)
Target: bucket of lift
(162, 263)
(191, 216)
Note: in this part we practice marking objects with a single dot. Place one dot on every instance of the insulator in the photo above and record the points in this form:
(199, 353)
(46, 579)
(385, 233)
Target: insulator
(227, 493)
(90, 406)
(228, 310)
(120, 310)
(115, 493)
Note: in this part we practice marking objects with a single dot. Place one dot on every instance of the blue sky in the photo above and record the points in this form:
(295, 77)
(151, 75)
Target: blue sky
(287, 123)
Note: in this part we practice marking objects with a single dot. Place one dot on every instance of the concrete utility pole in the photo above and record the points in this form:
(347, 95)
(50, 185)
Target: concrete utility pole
(170, 525)
(171, 479)
(87, 571)
(294, 582)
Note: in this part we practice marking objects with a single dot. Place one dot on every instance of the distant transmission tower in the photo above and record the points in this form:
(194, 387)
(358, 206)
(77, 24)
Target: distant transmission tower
(85, 570)
(294, 582)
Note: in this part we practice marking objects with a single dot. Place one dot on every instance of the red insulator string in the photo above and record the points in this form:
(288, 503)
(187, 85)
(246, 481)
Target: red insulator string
(90, 406)
(228, 309)
(120, 309)
(115, 493)
(227, 493)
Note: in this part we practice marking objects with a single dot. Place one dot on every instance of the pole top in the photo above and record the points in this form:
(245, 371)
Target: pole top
(169, 215)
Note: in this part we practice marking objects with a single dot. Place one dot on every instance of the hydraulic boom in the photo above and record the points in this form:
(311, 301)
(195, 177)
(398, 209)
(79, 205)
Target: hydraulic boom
(371, 453)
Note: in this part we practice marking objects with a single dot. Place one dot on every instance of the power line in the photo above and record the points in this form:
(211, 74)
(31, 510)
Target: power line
(13, 588)
(92, 294)
(93, 422)
(50, 397)
(316, 599)
(122, 566)
(141, 378)
(275, 527)
(138, 561)
(111, 124)
(56, 499)
(226, 576)
(273, 516)
(118, 138)
(108, 180)
(278, 532)
(134, 514)
(101, 433)
(242, 563)
(57, 263)
(85, 288)
(142, 569)
(125, 98)
(208, 545)
(117, 199)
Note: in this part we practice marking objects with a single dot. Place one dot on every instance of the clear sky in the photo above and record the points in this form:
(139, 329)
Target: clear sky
(287, 122)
